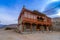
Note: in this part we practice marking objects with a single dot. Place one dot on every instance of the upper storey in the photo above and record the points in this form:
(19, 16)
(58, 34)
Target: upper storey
(33, 16)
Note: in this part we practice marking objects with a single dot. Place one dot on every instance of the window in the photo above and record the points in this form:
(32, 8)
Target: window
(45, 19)
(25, 14)
(40, 19)
(31, 16)
(34, 17)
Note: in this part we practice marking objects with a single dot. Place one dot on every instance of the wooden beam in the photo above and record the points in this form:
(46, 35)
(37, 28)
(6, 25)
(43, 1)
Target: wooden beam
(47, 28)
(23, 27)
(31, 28)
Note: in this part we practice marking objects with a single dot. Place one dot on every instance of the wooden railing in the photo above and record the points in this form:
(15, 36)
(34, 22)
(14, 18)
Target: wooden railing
(35, 21)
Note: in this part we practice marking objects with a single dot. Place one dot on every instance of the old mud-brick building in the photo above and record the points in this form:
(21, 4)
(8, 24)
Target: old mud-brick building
(33, 21)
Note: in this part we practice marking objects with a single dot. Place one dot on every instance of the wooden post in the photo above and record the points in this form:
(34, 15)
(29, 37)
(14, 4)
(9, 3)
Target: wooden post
(42, 28)
(31, 28)
(47, 28)
(23, 27)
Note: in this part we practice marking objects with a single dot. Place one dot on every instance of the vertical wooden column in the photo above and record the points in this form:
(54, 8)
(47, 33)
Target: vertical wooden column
(31, 27)
(36, 26)
(22, 27)
(42, 28)
(47, 28)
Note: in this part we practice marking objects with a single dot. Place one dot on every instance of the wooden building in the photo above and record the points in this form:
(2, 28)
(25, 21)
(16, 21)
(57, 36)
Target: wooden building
(33, 21)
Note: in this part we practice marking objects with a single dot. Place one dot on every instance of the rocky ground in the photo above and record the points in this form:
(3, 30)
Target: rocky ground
(11, 35)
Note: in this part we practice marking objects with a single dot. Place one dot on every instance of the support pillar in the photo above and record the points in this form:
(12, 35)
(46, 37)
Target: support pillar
(23, 27)
(31, 28)
(42, 28)
(47, 28)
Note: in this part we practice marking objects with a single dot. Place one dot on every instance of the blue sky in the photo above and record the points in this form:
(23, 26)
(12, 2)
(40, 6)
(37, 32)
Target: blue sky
(10, 9)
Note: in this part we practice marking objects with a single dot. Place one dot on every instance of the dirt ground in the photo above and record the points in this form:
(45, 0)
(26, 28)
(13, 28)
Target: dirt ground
(11, 35)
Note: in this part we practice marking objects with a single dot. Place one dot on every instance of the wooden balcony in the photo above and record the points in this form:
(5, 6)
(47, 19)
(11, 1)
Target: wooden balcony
(29, 20)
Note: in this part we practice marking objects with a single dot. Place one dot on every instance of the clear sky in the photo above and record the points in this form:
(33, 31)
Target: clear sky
(10, 9)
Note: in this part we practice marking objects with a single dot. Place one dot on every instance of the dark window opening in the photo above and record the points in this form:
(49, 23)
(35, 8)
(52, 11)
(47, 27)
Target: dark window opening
(40, 19)
(27, 25)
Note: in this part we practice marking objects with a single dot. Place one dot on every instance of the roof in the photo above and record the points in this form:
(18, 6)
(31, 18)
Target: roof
(33, 12)
(38, 13)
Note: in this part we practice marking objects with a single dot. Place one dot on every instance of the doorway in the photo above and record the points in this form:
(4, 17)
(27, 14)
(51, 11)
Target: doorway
(38, 27)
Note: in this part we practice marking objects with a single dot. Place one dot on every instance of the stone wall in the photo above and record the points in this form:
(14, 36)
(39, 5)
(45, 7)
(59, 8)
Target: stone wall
(56, 26)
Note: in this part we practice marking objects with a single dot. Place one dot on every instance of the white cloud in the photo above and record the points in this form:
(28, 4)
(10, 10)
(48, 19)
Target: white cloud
(7, 19)
(55, 15)
(54, 0)
(58, 12)
(47, 3)
(8, 16)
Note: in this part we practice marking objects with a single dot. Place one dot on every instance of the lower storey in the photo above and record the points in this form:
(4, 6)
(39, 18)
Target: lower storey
(27, 27)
